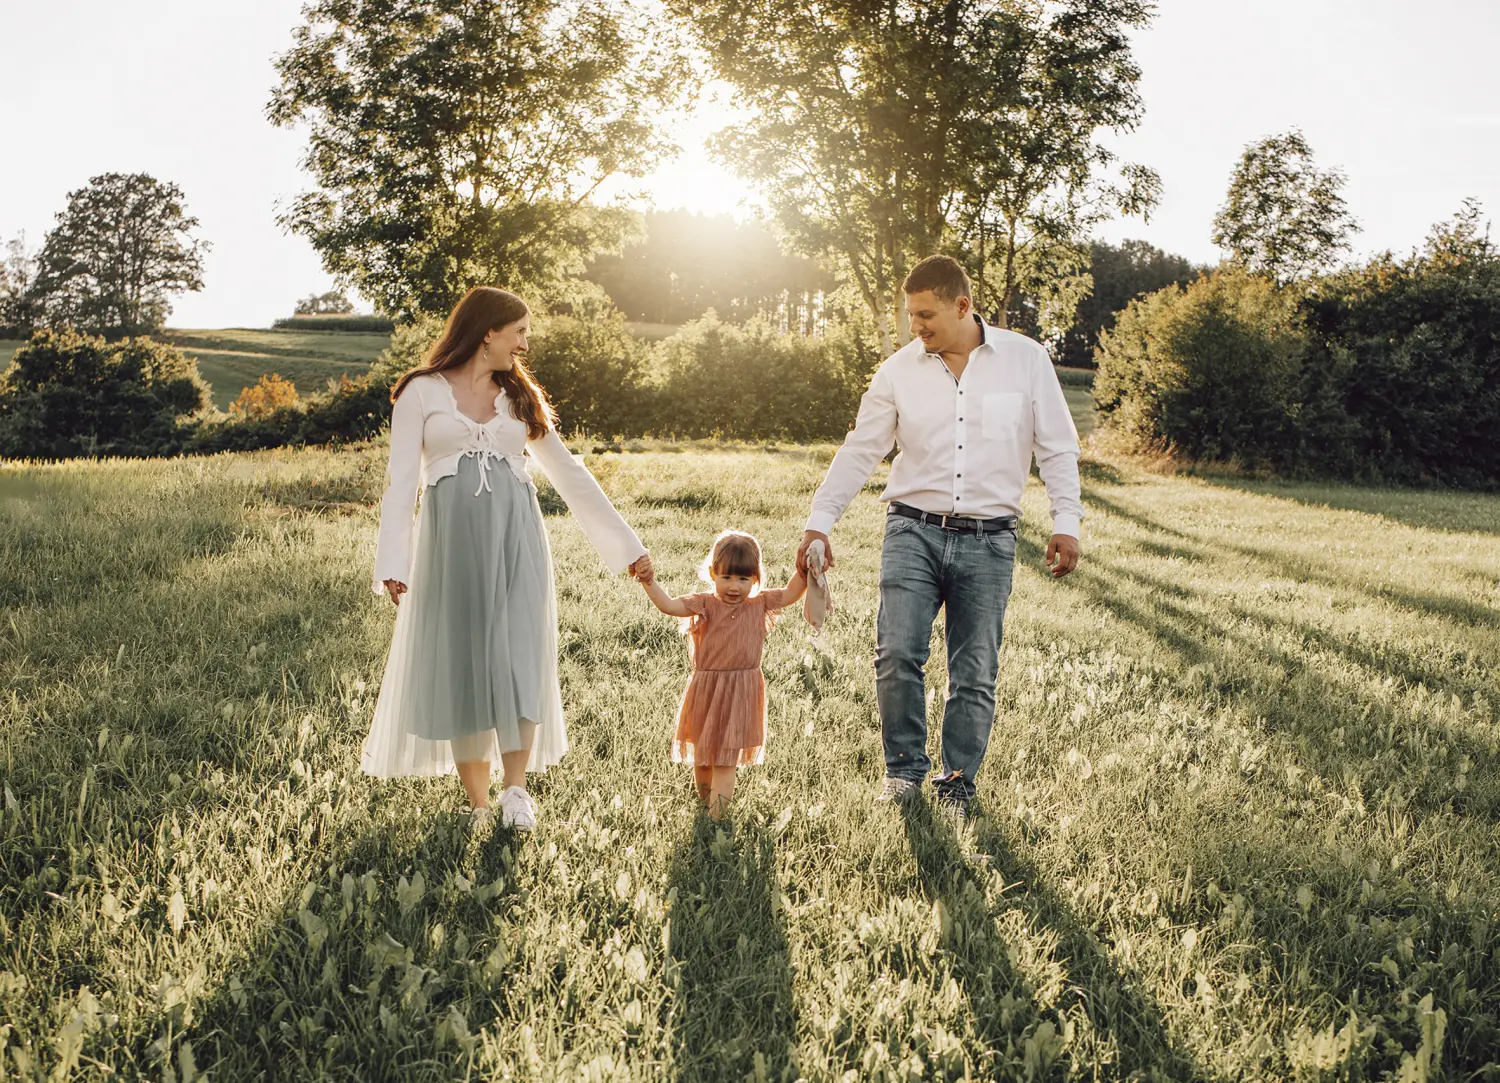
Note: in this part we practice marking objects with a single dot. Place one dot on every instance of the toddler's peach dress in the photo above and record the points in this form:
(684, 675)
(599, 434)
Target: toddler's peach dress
(722, 719)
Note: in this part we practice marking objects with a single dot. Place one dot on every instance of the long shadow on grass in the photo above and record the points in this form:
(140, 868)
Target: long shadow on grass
(734, 1006)
(1479, 513)
(1116, 1002)
(1303, 568)
(374, 975)
(1337, 729)
(1328, 953)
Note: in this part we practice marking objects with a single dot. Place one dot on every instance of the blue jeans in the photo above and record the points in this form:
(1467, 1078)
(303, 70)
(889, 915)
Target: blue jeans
(923, 567)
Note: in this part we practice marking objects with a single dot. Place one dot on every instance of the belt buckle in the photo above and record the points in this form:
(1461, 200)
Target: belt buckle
(945, 522)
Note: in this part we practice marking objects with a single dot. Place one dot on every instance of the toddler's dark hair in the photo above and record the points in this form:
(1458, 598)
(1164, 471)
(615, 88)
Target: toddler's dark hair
(735, 553)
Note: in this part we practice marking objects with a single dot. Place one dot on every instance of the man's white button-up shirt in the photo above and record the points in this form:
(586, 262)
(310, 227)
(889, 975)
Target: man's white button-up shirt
(965, 444)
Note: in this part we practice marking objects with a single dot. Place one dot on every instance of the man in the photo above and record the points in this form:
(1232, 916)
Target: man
(967, 404)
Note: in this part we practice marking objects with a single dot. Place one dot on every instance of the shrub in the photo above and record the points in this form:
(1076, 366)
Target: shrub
(264, 397)
(1211, 370)
(1388, 372)
(1408, 364)
(752, 383)
(66, 394)
(1083, 379)
(593, 370)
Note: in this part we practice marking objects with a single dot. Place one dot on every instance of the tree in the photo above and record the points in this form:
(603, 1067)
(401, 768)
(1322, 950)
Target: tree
(19, 309)
(459, 142)
(875, 129)
(1119, 274)
(332, 303)
(1284, 216)
(1039, 181)
(119, 252)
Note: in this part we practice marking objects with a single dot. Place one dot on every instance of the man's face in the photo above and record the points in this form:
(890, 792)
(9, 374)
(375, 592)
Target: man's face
(938, 323)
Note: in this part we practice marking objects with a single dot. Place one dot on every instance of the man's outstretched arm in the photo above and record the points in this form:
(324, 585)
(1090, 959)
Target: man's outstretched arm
(873, 435)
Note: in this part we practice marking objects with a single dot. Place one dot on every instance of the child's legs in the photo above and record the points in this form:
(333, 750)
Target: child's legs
(720, 790)
(703, 778)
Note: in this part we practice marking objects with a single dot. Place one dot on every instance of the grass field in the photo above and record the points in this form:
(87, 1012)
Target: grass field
(234, 358)
(1238, 819)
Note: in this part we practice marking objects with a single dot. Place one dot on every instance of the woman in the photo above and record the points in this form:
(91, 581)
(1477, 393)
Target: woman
(472, 671)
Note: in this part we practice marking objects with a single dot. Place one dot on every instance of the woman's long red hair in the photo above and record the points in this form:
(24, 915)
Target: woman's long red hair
(482, 310)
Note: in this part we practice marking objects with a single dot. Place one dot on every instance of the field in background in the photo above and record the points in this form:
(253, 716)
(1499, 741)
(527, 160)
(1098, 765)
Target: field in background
(1237, 819)
(234, 358)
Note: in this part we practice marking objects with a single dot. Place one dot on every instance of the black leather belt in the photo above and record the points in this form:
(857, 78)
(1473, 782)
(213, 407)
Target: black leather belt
(955, 522)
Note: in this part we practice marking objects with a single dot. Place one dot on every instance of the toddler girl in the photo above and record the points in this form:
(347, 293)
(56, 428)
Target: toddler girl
(721, 723)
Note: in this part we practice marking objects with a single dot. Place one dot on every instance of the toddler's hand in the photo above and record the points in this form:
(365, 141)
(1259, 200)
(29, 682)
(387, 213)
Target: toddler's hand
(642, 570)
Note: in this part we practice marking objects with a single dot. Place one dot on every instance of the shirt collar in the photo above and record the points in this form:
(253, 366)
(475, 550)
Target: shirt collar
(987, 335)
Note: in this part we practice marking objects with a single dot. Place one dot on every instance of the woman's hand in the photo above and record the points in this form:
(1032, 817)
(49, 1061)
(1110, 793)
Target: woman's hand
(395, 589)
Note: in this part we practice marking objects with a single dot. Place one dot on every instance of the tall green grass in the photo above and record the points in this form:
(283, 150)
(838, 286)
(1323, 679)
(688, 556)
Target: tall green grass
(1237, 819)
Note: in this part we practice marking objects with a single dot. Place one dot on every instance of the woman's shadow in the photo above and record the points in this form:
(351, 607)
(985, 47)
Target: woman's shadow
(731, 968)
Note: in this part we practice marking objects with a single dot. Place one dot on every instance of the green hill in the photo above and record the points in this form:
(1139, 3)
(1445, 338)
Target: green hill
(234, 358)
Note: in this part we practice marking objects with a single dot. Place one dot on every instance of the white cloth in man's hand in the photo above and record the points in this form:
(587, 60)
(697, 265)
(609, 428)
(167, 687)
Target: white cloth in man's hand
(818, 603)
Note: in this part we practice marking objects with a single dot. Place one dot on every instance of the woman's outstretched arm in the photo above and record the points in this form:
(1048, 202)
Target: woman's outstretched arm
(610, 535)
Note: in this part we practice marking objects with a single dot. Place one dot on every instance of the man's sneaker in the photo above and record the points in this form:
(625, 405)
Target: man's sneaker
(518, 810)
(957, 807)
(900, 790)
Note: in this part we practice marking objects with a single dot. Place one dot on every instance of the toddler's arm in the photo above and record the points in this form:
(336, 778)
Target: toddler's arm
(795, 587)
(672, 607)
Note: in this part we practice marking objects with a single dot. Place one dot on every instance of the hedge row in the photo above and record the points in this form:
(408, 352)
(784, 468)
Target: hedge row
(1389, 372)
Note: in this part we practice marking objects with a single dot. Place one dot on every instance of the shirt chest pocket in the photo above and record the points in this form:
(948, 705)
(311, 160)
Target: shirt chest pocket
(1002, 415)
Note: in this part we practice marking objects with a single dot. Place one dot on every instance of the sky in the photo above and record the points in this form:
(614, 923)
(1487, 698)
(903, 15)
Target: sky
(1405, 98)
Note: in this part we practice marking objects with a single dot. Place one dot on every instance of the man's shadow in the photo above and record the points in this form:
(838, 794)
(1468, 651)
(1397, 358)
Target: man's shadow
(1116, 1004)
(730, 958)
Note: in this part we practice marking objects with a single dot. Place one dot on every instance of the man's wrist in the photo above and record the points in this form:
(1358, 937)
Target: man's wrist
(1067, 524)
(820, 522)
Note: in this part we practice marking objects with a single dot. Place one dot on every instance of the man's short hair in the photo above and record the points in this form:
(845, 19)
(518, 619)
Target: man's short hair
(943, 275)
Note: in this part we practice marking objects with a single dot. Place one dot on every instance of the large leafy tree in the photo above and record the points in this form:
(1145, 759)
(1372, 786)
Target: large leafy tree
(1038, 179)
(459, 142)
(880, 133)
(119, 252)
(1284, 216)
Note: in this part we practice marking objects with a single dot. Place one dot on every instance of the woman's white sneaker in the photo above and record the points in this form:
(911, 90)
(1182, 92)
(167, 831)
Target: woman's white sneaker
(518, 810)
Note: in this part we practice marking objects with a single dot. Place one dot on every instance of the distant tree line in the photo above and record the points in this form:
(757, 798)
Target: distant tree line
(686, 264)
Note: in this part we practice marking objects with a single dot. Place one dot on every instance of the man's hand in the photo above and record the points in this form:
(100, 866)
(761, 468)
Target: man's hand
(642, 570)
(395, 589)
(808, 537)
(1062, 554)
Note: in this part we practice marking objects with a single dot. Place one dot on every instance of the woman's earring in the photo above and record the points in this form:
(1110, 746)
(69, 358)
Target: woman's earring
(486, 355)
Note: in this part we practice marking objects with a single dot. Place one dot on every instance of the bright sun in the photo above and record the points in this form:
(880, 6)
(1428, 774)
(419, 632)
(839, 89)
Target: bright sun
(693, 180)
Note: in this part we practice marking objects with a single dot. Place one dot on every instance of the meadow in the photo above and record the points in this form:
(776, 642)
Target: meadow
(232, 359)
(1238, 818)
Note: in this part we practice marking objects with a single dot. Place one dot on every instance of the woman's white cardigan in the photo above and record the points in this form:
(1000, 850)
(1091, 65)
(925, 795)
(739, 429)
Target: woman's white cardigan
(428, 437)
